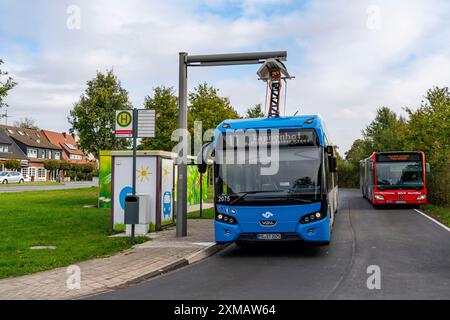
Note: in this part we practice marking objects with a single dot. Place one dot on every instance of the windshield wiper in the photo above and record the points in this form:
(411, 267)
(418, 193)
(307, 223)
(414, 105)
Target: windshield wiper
(300, 200)
(244, 194)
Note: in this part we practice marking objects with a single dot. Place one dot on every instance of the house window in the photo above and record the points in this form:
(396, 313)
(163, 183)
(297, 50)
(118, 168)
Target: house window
(76, 157)
(24, 172)
(49, 154)
(41, 173)
(4, 148)
(43, 154)
(57, 155)
(32, 153)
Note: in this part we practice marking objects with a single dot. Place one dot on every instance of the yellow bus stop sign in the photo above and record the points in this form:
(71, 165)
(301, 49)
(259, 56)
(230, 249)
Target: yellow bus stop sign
(124, 124)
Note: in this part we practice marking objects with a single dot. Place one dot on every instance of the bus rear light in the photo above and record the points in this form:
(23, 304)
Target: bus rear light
(421, 197)
(311, 217)
(379, 197)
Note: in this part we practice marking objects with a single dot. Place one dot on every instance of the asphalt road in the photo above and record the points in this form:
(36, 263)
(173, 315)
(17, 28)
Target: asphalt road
(66, 185)
(412, 252)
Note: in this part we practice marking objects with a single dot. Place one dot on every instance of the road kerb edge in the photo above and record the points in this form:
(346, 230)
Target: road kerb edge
(205, 253)
(195, 257)
(433, 219)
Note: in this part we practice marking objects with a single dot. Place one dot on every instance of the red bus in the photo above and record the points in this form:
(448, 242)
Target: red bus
(397, 177)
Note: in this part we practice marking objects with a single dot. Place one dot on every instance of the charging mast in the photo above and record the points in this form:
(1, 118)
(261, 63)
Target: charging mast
(210, 60)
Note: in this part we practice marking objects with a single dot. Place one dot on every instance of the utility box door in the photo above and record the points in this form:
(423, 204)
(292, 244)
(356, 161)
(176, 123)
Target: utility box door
(146, 178)
(167, 180)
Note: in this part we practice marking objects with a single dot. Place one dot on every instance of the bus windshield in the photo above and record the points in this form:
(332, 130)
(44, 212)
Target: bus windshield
(399, 175)
(296, 181)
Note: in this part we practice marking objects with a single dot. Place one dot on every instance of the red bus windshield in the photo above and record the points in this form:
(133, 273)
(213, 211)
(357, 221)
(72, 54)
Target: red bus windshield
(399, 171)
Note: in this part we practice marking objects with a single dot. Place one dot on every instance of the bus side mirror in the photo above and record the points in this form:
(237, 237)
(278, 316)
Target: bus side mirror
(332, 164)
(201, 168)
(330, 150)
(427, 167)
(204, 157)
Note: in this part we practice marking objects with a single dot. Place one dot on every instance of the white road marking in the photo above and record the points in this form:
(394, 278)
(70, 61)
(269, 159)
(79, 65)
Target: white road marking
(432, 219)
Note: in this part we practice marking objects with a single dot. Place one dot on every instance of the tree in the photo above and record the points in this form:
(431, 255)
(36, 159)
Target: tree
(255, 112)
(386, 132)
(429, 125)
(359, 150)
(93, 116)
(165, 104)
(209, 108)
(429, 131)
(27, 123)
(12, 164)
(5, 86)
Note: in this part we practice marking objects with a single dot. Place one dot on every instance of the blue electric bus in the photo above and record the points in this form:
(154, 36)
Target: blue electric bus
(297, 200)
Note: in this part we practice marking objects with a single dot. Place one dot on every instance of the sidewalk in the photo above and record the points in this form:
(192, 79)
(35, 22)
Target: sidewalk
(162, 254)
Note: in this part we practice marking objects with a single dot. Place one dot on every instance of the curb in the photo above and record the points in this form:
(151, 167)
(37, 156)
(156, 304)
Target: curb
(195, 257)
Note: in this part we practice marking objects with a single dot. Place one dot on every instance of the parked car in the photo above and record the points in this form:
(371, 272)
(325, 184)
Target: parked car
(11, 177)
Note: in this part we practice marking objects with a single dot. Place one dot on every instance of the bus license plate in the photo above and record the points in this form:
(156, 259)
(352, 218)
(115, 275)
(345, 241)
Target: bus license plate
(268, 236)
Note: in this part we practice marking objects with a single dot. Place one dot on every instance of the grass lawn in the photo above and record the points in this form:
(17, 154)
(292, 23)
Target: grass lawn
(440, 213)
(53, 218)
(206, 214)
(26, 184)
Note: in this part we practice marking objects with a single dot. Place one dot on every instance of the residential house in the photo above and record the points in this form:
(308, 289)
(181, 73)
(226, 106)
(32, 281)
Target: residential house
(10, 150)
(35, 145)
(68, 145)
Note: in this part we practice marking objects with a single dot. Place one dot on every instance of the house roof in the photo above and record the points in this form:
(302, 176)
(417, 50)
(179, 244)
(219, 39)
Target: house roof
(29, 137)
(15, 151)
(63, 140)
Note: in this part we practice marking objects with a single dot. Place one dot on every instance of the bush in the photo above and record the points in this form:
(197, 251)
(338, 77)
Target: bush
(348, 174)
(438, 182)
(52, 165)
(12, 164)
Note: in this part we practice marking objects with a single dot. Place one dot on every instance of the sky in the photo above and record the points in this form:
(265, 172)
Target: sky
(348, 57)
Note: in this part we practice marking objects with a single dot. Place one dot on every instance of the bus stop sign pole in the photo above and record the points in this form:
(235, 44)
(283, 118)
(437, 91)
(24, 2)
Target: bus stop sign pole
(135, 121)
(186, 61)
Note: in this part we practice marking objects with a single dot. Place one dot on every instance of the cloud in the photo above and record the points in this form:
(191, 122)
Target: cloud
(348, 57)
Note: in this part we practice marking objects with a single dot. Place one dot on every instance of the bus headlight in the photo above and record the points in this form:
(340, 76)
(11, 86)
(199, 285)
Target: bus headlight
(421, 197)
(379, 197)
(311, 217)
(225, 219)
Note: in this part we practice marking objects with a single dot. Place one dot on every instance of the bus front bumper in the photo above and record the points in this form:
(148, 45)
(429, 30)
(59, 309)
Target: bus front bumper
(314, 232)
(402, 197)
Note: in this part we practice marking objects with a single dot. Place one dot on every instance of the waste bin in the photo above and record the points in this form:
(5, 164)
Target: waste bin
(131, 209)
